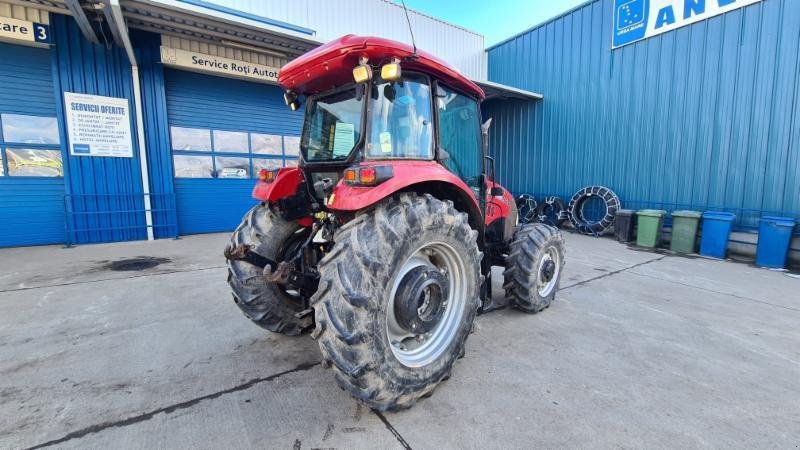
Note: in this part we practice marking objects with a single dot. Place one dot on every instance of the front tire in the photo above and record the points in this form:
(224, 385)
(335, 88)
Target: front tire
(534, 266)
(411, 263)
(266, 304)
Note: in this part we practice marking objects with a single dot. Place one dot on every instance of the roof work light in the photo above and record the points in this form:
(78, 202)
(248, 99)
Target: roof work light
(391, 71)
(362, 72)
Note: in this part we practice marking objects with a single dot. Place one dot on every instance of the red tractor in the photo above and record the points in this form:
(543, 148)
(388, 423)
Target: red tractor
(383, 239)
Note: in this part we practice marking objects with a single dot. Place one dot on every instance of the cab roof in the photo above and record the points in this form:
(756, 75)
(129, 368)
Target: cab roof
(331, 65)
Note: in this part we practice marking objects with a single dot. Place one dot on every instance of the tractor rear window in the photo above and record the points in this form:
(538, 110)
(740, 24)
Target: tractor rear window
(400, 122)
(333, 126)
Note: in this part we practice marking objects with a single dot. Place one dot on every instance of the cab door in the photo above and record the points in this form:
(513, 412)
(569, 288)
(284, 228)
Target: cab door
(459, 123)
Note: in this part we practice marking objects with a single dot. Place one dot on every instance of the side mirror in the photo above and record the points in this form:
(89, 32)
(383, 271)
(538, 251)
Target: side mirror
(497, 191)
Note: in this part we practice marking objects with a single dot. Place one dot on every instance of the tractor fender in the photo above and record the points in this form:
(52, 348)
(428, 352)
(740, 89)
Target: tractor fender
(286, 184)
(418, 176)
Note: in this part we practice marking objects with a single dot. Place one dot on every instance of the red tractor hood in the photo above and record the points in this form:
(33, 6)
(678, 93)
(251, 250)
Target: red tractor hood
(331, 65)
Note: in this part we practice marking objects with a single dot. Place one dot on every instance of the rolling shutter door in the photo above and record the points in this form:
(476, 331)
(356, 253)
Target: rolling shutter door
(222, 131)
(32, 183)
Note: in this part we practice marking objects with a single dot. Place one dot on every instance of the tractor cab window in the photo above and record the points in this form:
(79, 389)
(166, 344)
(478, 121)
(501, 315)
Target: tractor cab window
(459, 135)
(400, 120)
(332, 126)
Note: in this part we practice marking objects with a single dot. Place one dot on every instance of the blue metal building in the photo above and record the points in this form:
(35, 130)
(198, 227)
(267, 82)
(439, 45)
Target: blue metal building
(704, 116)
(135, 119)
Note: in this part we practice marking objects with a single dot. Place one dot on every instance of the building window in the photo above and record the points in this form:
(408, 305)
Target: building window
(190, 139)
(229, 154)
(266, 144)
(30, 146)
(193, 166)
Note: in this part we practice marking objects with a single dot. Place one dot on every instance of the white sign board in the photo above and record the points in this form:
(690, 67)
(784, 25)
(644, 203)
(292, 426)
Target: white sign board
(199, 62)
(635, 20)
(24, 31)
(98, 126)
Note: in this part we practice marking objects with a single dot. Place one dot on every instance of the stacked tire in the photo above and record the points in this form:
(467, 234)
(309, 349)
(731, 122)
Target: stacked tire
(593, 226)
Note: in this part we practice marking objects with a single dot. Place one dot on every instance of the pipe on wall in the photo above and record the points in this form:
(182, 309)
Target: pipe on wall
(122, 32)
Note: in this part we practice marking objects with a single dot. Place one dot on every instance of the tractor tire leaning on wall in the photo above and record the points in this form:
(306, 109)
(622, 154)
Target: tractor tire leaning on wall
(577, 202)
(551, 211)
(266, 304)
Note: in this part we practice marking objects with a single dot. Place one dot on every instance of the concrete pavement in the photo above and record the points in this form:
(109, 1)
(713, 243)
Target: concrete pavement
(138, 345)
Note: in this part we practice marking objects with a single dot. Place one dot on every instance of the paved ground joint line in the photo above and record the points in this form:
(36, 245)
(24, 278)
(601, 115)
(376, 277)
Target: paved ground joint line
(72, 283)
(92, 429)
(614, 272)
(392, 429)
(740, 297)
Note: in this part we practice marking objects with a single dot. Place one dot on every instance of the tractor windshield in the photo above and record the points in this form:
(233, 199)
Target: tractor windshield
(399, 126)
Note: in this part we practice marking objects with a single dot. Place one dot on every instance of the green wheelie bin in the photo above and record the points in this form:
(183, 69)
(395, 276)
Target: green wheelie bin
(684, 231)
(649, 223)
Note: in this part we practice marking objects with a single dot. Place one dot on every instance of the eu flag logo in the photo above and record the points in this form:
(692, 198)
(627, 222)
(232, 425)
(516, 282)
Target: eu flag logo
(630, 13)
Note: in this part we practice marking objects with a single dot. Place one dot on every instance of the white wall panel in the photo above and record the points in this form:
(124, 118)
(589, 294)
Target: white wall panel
(331, 19)
(24, 13)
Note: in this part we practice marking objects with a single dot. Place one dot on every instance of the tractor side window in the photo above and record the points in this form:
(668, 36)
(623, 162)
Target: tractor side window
(333, 126)
(400, 123)
(459, 135)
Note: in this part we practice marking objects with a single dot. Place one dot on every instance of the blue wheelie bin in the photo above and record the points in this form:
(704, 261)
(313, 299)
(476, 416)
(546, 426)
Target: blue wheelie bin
(716, 230)
(774, 238)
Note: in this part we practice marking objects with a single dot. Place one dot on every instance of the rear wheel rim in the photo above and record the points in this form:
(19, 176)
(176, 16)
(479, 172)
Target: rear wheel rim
(419, 350)
(545, 280)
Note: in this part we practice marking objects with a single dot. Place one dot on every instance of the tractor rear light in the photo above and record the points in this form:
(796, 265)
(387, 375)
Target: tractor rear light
(367, 175)
(267, 176)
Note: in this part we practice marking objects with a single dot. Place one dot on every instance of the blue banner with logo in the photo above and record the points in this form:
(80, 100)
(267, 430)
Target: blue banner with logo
(635, 20)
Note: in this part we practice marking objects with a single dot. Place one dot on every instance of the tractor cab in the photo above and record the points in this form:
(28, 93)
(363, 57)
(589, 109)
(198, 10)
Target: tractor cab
(374, 107)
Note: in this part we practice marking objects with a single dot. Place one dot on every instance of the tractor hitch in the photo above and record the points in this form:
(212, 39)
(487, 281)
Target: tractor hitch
(282, 273)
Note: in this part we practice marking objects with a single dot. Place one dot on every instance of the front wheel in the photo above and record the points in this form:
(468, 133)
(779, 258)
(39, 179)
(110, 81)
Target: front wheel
(398, 294)
(534, 266)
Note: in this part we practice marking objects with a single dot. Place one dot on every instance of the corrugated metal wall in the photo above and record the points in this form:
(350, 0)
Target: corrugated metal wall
(331, 19)
(104, 194)
(154, 112)
(706, 116)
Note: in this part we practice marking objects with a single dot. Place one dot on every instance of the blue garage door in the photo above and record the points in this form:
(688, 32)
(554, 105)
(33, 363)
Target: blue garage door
(31, 174)
(222, 133)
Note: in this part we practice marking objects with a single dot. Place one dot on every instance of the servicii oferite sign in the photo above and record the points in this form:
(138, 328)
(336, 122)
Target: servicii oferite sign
(635, 20)
(98, 126)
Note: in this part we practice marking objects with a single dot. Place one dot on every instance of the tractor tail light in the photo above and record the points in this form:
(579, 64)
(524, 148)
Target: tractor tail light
(267, 176)
(367, 175)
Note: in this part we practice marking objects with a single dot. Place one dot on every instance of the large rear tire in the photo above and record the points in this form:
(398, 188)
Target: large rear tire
(373, 293)
(534, 267)
(266, 304)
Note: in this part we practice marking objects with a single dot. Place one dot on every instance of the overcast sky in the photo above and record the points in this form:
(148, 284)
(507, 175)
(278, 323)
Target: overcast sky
(495, 19)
